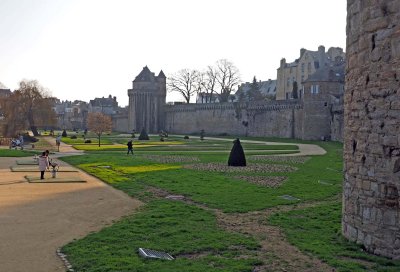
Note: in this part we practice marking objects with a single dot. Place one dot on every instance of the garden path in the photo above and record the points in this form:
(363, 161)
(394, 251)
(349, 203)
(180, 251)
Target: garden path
(36, 219)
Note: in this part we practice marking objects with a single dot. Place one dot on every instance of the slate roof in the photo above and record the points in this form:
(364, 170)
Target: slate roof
(145, 75)
(161, 74)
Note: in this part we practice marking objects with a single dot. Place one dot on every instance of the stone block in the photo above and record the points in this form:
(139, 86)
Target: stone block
(366, 214)
(390, 141)
(390, 218)
(366, 185)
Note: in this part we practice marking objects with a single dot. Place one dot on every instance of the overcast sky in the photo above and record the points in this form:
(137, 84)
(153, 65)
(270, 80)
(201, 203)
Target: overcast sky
(82, 49)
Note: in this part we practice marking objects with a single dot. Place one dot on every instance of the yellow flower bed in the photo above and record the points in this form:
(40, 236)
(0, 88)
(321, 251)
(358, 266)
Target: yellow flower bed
(145, 168)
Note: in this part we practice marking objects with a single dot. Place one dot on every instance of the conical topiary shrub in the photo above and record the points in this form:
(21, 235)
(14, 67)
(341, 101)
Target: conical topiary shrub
(143, 135)
(64, 133)
(237, 158)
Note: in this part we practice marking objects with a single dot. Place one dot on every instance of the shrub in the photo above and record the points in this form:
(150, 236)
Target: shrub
(64, 133)
(237, 157)
(88, 141)
(223, 134)
(143, 135)
(202, 133)
(29, 139)
(186, 137)
(162, 139)
(73, 137)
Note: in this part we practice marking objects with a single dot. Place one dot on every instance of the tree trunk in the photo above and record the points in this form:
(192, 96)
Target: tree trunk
(32, 124)
(99, 140)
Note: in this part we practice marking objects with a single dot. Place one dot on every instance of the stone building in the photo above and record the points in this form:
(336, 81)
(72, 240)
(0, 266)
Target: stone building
(371, 199)
(71, 114)
(267, 90)
(107, 105)
(322, 95)
(299, 70)
(147, 102)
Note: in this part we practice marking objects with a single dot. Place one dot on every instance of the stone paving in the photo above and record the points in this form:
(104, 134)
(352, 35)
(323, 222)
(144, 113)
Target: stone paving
(36, 219)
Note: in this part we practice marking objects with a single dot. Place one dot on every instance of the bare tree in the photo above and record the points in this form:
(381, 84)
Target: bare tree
(99, 123)
(185, 82)
(31, 105)
(210, 83)
(227, 77)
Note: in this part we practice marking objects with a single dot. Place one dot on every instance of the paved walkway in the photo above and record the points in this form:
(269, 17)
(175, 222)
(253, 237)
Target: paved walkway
(36, 219)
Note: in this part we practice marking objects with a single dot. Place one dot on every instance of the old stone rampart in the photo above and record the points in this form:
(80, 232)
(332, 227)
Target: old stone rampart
(274, 119)
(371, 197)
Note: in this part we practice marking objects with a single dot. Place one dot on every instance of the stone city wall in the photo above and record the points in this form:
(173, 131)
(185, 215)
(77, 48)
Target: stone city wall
(371, 201)
(270, 119)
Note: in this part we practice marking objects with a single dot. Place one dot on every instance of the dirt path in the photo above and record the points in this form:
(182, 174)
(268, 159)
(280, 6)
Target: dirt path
(276, 252)
(36, 219)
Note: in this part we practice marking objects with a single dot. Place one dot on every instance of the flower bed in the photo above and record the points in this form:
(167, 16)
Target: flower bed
(170, 159)
(262, 180)
(288, 159)
(254, 167)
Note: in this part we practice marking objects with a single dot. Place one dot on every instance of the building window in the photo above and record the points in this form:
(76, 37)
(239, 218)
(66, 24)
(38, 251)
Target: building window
(290, 70)
(302, 67)
(316, 64)
(314, 89)
(302, 78)
(288, 82)
(309, 67)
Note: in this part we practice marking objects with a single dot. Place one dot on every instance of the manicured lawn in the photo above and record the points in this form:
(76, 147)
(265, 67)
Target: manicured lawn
(186, 230)
(173, 227)
(81, 140)
(16, 153)
(317, 231)
(222, 190)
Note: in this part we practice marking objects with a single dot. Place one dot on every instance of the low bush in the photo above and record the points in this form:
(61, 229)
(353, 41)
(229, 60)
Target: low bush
(88, 141)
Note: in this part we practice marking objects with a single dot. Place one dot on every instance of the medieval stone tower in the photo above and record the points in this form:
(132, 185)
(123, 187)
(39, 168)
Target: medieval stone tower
(147, 102)
(371, 212)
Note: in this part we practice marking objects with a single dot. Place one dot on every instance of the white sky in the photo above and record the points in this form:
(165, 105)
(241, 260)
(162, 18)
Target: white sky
(82, 49)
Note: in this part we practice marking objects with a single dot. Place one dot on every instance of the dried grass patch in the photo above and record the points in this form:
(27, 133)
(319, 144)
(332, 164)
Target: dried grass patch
(170, 159)
(287, 159)
(264, 181)
(254, 167)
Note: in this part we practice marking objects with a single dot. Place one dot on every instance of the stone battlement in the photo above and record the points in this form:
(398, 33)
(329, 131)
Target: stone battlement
(261, 106)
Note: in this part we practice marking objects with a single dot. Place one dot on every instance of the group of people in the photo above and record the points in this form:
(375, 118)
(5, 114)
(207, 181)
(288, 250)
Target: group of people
(17, 142)
(45, 162)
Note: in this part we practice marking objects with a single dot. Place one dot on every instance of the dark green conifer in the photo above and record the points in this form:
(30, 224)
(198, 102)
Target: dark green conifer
(237, 157)
(143, 135)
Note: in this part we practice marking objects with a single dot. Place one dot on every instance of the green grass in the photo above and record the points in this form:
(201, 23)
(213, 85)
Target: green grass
(314, 230)
(317, 231)
(81, 140)
(221, 190)
(16, 153)
(167, 226)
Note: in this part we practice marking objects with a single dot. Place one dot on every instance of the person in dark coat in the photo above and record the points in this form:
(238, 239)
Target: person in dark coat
(130, 147)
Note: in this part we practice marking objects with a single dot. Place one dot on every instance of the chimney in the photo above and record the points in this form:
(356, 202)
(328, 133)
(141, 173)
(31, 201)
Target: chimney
(283, 62)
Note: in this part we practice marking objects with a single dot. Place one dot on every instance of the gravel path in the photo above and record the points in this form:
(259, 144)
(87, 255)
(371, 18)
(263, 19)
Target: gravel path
(36, 219)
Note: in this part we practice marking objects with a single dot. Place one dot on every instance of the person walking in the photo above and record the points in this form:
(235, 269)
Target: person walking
(58, 142)
(43, 164)
(130, 147)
